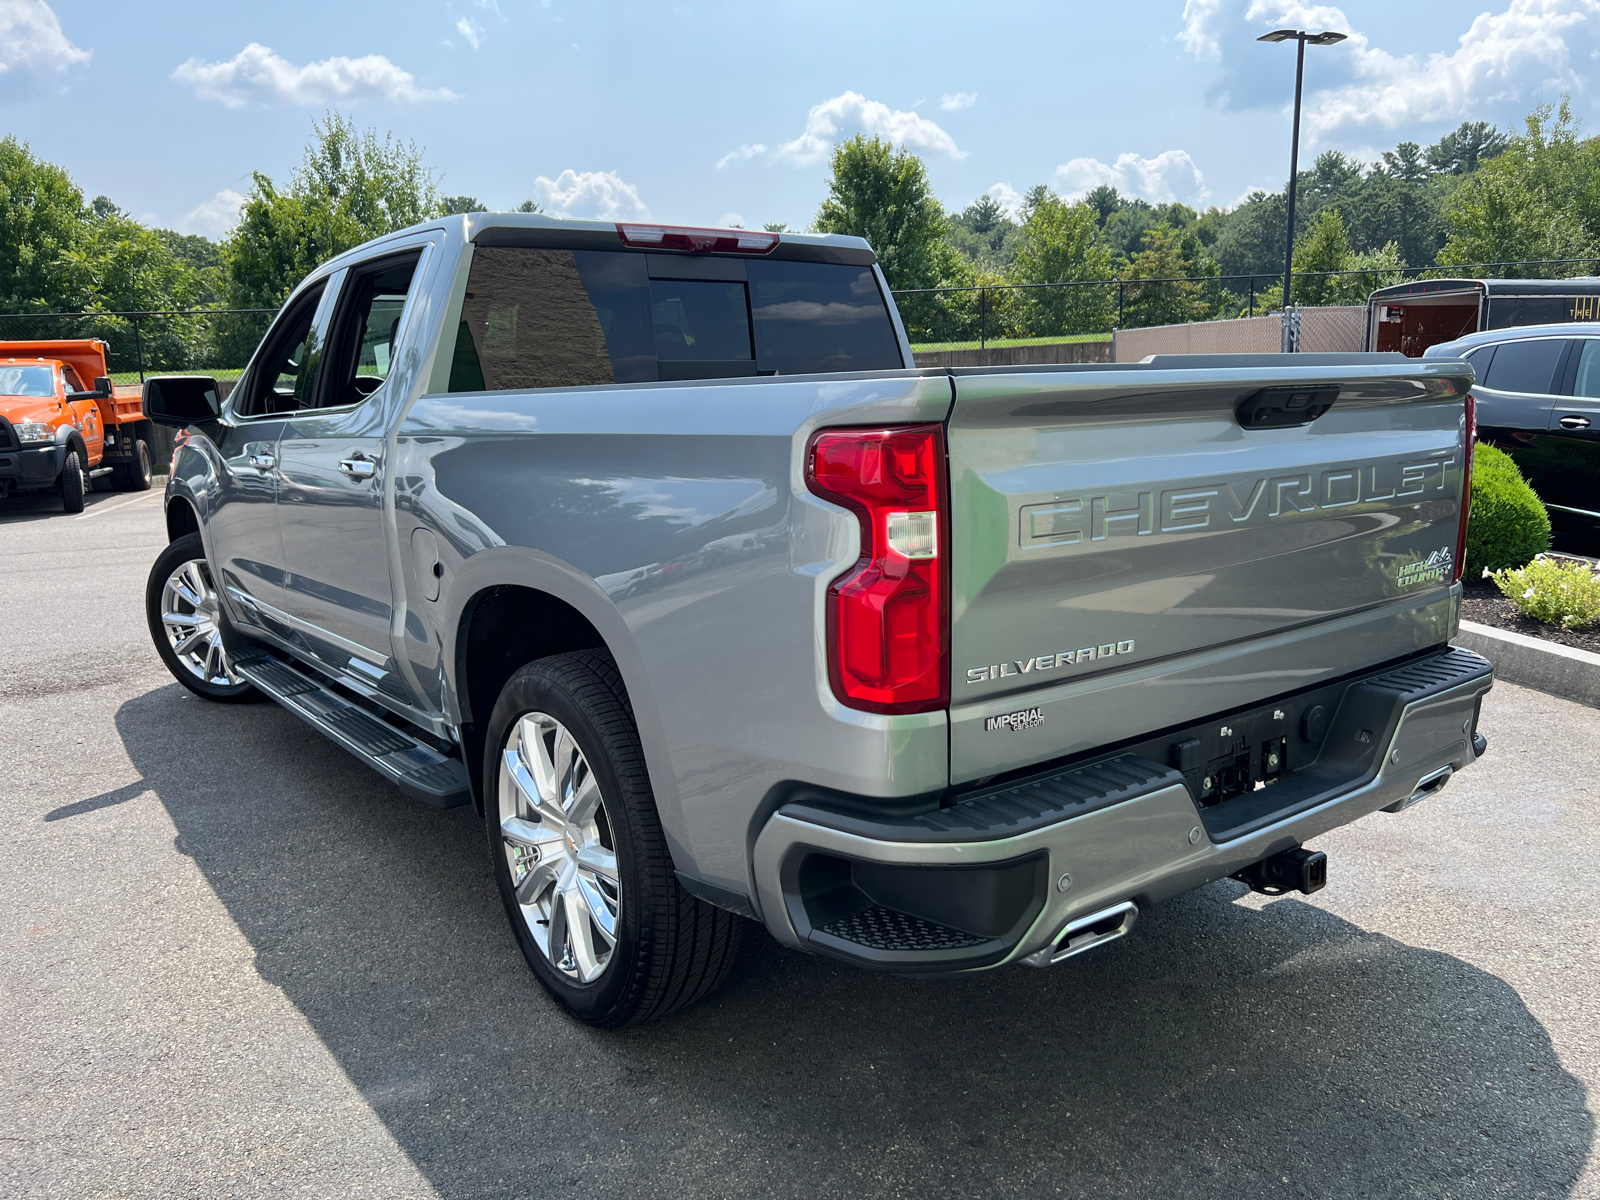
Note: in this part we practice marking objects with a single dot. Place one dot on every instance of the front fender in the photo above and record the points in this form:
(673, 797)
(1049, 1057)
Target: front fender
(193, 480)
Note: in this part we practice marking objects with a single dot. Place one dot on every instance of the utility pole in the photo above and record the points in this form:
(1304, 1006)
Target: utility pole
(1291, 338)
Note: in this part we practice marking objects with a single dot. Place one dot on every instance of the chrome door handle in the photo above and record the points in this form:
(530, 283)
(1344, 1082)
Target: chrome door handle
(263, 462)
(358, 468)
(1574, 422)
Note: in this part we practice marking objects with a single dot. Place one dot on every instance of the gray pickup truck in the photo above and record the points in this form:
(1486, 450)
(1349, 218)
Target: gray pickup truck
(656, 546)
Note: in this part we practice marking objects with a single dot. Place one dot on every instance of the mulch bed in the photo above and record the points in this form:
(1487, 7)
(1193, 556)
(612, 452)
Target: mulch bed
(1487, 605)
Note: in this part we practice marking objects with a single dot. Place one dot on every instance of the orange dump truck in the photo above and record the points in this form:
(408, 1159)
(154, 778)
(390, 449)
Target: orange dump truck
(64, 427)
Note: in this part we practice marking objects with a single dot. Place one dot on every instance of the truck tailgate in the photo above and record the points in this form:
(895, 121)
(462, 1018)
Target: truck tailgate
(1125, 521)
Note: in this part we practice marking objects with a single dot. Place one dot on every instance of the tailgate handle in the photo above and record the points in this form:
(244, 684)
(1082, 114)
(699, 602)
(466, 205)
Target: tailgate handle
(1284, 407)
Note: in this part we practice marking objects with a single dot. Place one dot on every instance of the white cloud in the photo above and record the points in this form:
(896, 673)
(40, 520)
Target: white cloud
(603, 195)
(1010, 199)
(849, 113)
(731, 221)
(216, 216)
(469, 29)
(256, 73)
(956, 101)
(30, 36)
(1504, 57)
(1170, 175)
(1501, 56)
(742, 153)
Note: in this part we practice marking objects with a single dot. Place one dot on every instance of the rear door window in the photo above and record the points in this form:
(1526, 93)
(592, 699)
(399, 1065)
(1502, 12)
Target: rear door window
(1527, 366)
(701, 328)
(561, 318)
(1480, 360)
(369, 322)
(812, 317)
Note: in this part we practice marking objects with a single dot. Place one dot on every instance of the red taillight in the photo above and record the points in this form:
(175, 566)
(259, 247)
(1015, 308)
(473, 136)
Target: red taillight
(888, 616)
(1466, 486)
(704, 241)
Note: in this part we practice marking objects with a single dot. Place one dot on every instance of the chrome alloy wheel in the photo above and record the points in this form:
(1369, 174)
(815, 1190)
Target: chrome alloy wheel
(189, 610)
(559, 847)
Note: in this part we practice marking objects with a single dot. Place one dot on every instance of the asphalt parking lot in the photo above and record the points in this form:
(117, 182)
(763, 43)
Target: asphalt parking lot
(235, 962)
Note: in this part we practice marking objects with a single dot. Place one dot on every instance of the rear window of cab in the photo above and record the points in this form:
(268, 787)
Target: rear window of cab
(572, 318)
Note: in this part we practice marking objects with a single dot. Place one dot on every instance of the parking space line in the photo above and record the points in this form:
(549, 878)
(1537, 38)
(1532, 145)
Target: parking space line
(102, 508)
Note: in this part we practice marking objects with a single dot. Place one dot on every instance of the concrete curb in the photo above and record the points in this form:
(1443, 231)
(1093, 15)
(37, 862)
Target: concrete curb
(1560, 670)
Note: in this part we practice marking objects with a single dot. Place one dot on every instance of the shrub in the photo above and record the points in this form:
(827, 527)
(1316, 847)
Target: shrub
(1563, 592)
(1508, 524)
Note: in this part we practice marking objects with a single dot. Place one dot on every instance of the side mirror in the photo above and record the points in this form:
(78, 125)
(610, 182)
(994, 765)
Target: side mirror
(182, 400)
(102, 390)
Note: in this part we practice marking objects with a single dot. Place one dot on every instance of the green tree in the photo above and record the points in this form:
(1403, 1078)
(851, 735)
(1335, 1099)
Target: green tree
(1105, 200)
(349, 187)
(1169, 299)
(1538, 199)
(1504, 217)
(462, 204)
(985, 234)
(42, 223)
(1380, 268)
(527, 206)
(129, 268)
(1463, 151)
(1406, 163)
(1386, 208)
(1061, 243)
(883, 195)
(1325, 247)
(984, 214)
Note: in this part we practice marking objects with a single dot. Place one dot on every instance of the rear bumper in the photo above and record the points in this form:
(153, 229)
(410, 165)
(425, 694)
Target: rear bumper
(1000, 876)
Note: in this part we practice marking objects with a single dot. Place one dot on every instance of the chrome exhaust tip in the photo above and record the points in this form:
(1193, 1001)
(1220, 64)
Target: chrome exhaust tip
(1429, 785)
(1086, 933)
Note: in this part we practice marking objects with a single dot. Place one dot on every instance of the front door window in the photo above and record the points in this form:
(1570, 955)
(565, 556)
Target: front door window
(286, 376)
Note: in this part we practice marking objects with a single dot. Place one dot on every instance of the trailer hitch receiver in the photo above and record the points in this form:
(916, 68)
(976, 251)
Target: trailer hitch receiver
(1297, 870)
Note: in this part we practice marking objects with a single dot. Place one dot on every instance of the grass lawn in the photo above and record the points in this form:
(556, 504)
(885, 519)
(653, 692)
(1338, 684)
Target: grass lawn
(131, 378)
(1002, 343)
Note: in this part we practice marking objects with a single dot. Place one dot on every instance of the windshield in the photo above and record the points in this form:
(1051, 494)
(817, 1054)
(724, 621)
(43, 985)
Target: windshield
(27, 381)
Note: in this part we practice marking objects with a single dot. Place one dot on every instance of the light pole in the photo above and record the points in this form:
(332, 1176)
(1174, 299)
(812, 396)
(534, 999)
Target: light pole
(1315, 39)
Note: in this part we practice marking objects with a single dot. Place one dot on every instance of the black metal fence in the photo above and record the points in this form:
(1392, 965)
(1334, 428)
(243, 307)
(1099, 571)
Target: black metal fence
(961, 318)
(215, 341)
(219, 341)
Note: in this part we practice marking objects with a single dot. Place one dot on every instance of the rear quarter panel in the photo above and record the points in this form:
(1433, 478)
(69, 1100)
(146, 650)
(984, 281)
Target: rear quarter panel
(675, 517)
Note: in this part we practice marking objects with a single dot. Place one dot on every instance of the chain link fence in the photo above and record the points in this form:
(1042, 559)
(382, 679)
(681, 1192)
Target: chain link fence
(212, 341)
(1329, 329)
(1017, 315)
(219, 341)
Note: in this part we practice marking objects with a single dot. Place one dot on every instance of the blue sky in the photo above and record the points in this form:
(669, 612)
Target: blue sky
(714, 112)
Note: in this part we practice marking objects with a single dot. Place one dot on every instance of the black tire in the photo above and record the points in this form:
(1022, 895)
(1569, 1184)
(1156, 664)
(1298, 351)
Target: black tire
(72, 483)
(189, 552)
(671, 948)
(134, 474)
